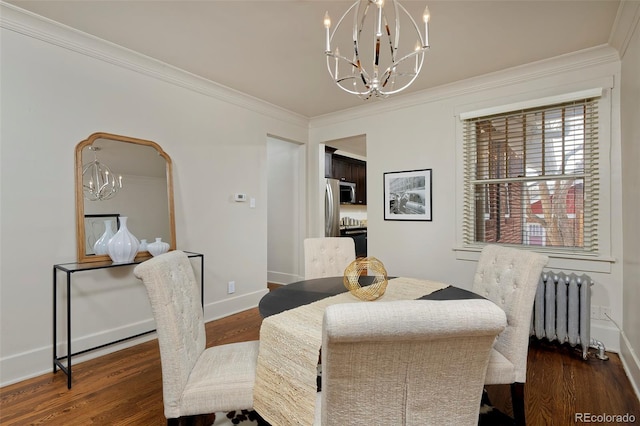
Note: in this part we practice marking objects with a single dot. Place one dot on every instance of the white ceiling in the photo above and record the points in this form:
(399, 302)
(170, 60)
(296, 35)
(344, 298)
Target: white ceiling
(274, 50)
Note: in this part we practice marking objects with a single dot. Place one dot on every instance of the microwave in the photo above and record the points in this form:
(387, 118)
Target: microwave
(347, 193)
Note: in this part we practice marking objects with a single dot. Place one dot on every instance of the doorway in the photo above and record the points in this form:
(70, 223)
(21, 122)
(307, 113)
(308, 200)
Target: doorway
(346, 160)
(286, 210)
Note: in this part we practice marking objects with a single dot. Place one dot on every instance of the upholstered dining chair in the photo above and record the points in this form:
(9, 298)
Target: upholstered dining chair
(195, 380)
(509, 277)
(327, 256)
(429, 360)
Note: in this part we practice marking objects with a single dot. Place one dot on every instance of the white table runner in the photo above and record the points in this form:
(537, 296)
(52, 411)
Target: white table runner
(285, 388)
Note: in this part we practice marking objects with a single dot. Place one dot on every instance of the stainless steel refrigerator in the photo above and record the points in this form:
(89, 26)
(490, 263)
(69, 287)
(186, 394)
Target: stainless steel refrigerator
(332, 208)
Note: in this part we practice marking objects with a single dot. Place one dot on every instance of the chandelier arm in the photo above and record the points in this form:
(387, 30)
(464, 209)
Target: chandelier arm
(376, 56)
(366, 78)
(388, 72)
(393, 92)
(357, 31)
(344, 58)
(351, 77)
(392, 46)
(362, 94)
(333, 55)
(376, 42)
(397, 29)
(407, 56)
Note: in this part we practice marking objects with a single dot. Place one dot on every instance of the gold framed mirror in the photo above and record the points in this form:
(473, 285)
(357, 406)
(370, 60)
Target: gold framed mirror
(140, 188)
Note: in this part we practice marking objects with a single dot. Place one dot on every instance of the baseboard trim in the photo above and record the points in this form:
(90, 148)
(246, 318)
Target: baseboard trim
(26, 365)
(609, 336)
(233, 305)
(630, 363)
(282, 278)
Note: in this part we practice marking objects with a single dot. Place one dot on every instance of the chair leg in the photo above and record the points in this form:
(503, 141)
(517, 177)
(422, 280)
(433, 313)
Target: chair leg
(181, 421)
(517, 401)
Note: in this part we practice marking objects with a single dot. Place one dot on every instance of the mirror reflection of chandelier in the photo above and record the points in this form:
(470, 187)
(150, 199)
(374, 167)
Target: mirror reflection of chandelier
(98, 182)
(378, 61)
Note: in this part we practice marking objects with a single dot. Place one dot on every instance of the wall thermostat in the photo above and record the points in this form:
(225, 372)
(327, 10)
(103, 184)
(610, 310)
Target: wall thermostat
(240, 197)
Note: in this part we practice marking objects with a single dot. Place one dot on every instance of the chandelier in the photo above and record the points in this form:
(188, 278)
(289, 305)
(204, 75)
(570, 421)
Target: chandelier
(379, 62)
(98, 183)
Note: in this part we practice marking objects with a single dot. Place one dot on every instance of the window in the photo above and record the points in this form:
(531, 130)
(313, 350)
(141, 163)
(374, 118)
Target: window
(531, 177)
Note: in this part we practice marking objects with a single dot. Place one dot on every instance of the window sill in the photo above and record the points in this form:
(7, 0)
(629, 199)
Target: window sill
(559, 261)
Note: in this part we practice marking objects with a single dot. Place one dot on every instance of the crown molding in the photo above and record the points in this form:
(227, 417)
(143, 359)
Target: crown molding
(558, 65)
(35, 26)
(627, 21)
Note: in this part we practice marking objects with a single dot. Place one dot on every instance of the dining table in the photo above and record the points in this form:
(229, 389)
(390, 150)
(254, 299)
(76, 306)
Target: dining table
(286, 387)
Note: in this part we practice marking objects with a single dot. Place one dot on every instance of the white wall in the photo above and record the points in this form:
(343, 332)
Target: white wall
(56, 92)
(630, 130)
(422, 132)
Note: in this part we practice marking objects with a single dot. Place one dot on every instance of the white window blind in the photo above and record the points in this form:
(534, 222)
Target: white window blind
(531, 177)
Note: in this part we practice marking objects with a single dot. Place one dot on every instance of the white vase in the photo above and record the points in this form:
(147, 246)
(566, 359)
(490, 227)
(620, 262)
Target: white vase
(157, 247)
(100, 247)
(123, 246)
(143, 246)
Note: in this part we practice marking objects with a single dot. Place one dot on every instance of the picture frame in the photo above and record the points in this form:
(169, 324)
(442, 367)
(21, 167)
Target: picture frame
(94, 228)
(407, 195)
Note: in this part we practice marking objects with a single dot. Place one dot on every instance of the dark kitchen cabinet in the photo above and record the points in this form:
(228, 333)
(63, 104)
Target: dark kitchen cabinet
(342, 169)
(328, 161)
(351, 170)
(359, 174)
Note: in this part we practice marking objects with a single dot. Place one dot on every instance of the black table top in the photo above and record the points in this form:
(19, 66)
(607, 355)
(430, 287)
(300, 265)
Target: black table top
(308, 291)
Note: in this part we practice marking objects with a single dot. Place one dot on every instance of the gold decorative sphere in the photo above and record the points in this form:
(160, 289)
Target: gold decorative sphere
(366, 266)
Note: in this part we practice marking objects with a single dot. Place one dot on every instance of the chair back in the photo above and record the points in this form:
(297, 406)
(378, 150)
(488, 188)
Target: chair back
(509, 277)
(328, 256)
(175, 301)
(411, 362)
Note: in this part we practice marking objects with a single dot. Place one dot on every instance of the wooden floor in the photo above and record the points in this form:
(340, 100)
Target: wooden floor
(125, 388)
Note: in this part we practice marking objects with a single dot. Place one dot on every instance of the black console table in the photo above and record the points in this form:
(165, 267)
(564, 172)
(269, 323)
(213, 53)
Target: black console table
(70, 269)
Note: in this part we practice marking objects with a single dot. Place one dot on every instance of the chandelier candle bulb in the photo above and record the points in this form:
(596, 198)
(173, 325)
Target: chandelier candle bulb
(327, 25)
(426, 16)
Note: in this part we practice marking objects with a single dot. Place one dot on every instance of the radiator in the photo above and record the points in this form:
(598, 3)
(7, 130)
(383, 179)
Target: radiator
(562, 311)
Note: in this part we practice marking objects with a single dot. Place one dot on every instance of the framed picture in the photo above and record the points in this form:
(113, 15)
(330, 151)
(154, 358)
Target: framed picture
(407, 195)
(94, 228)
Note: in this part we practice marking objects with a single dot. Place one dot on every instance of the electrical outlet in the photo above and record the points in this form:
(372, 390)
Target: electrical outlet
(604, 311)
(231, 287)
(595, 311)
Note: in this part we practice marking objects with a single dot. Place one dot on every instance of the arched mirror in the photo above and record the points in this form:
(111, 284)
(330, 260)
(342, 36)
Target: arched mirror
(119, 176)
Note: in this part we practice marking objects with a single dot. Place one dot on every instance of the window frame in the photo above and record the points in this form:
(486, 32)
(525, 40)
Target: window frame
(599, 261)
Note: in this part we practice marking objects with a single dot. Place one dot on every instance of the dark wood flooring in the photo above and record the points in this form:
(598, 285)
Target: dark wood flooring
(125, 387)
